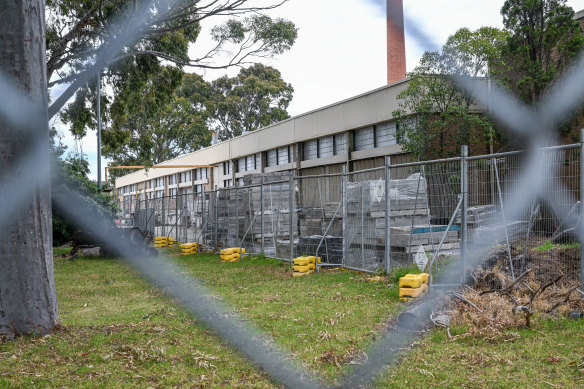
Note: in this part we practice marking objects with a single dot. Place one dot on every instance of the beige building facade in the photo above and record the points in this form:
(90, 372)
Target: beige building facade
(356, 133)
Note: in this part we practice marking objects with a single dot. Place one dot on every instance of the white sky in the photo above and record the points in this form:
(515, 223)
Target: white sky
(341, 46)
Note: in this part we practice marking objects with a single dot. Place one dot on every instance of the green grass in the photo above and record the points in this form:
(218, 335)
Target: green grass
(563, 246)
(320, 317)
(549, 355)
(121, 332)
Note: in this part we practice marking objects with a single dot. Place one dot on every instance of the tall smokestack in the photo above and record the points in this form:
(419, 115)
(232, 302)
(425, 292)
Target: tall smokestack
(396, 46)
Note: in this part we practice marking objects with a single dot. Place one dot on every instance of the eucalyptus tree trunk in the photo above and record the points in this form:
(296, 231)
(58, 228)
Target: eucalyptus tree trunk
(28, 300)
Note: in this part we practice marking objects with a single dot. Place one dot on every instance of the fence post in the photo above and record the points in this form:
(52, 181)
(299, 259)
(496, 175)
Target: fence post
(216, 218)
(176, 216)
(463, 221)
(185, 218)
(387, 216)
(163, 215)
(344, 201)
(582, 208)
(262, 214)
(291, 217)
(236, 215)
(202, 213)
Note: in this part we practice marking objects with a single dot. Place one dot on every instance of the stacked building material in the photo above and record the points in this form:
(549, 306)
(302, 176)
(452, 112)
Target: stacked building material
(233, 254)
(331, 249)
(189, 248)
(276, 207)
(413, 286)
(161, 241)
(409, 216)
(304, 265)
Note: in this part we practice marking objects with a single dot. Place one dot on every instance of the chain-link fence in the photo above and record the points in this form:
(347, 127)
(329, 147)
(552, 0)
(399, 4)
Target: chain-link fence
(423, 212)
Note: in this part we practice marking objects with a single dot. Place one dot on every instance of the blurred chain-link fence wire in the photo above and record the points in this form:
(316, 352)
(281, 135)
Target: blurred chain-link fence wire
(514, 209)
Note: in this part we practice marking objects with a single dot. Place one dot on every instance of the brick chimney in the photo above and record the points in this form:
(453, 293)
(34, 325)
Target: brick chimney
(396, 46)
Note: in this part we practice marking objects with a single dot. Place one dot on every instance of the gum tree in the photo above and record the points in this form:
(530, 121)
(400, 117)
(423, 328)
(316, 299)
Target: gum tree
(28, 300)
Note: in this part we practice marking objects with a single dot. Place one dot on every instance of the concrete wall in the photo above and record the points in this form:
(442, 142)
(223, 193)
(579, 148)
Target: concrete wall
(360, 111)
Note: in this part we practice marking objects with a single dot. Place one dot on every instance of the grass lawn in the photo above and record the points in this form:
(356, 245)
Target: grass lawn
(121, 332)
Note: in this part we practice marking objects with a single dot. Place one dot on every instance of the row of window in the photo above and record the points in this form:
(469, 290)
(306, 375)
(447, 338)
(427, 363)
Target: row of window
(363, 139)
(376, 136)
(327, 146)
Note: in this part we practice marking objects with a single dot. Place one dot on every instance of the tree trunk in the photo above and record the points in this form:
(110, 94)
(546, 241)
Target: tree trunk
(28, 300)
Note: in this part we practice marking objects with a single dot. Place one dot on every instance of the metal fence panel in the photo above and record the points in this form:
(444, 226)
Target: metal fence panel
(319, 221)
(342, 217)
(364, 234)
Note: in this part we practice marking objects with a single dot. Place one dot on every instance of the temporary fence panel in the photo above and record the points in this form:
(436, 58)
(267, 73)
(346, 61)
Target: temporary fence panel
(538, 233)
(319, 214)
(279, 205)
(363, 214)
(342, 217)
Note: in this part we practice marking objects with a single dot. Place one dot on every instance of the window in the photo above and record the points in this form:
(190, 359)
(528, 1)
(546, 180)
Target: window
(251, 162)
(340, 144)
(310, 150)
(226, 168)
(364, 138)
(160, 182)
(325, 147)
(240, 182)
(185, 177)
(126, 189)
(172, 179)
(241, 166)
(198, 188)
(385, 134)
(283, 157)
(227, 183)
(378, 136)
(201, 174)
(272, 158)
(172, 192)
(159, 194)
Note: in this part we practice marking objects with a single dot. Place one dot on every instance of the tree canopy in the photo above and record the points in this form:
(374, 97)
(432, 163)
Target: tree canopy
(255, 98)
(79, 31)
(160, 119)
(544, 38)
(540, 40)
(434, 117)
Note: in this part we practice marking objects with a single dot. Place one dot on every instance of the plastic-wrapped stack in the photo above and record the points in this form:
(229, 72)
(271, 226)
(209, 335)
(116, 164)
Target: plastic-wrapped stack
(161, 241)
(413, 286)
(233, 254)
(304, 265)
(189, 248)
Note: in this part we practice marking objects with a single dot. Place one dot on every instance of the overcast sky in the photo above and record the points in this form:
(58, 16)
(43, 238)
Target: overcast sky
(341, 47)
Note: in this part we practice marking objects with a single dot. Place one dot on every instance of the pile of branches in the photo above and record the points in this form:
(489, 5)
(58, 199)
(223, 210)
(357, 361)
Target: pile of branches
(511, 304)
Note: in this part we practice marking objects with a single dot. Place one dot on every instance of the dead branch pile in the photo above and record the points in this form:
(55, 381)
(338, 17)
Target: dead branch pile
(487, 311)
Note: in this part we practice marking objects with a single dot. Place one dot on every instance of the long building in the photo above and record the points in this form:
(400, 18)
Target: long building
(357, 132)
